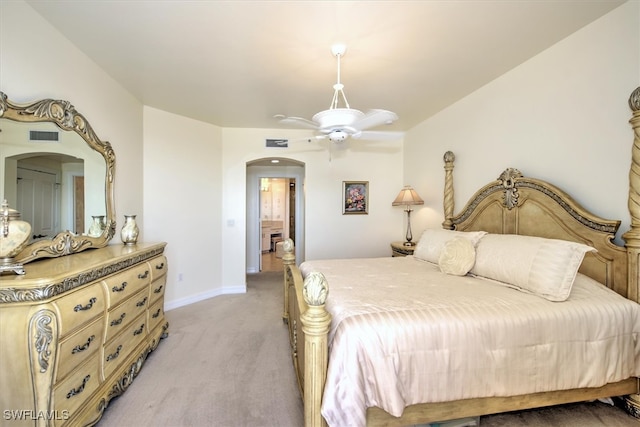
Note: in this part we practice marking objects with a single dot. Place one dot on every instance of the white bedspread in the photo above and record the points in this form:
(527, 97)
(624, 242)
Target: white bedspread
(403, 333)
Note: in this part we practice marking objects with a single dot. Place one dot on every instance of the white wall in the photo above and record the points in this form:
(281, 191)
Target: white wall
(182, 198)
(561, 116)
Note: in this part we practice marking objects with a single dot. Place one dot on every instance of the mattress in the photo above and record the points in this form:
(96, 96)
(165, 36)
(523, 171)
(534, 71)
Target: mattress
(404, 333)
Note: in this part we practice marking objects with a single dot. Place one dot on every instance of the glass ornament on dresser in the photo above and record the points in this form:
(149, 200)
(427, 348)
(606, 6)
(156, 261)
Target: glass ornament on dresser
(14, 236)
(97, 226)
(130, 230)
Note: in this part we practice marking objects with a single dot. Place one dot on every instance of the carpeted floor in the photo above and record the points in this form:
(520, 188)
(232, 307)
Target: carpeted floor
(226, 363)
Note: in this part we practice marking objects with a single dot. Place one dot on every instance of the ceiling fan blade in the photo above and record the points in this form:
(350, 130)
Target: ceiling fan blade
(380, 135)
(299, 122)
(374, 118)
(308, 139)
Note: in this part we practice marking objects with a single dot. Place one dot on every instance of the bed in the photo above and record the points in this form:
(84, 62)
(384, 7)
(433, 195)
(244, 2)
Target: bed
(405, 341)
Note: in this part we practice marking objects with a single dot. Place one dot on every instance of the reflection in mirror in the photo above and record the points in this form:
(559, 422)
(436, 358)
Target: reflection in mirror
(53, 178)
(58, 175)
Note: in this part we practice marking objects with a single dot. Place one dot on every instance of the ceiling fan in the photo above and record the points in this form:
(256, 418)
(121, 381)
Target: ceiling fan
(340, 123)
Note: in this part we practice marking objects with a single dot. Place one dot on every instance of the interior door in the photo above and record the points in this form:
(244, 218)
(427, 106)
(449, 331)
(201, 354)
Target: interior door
(38, 202)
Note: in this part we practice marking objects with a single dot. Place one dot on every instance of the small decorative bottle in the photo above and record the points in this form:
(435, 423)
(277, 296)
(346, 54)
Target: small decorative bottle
(129, 233)
(97, 226)
(14, 236)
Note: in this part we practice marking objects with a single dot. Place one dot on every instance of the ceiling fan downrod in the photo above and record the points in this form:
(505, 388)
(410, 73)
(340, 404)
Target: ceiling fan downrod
(338, 51)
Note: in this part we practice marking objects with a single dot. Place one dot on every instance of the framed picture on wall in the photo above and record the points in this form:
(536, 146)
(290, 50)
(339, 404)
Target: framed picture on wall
(355, 197)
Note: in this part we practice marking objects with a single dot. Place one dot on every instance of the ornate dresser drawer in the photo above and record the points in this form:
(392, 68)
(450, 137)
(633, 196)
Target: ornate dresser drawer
(121, 316)
(157, 288)
(77, 348)
(124, 344)
(158, 267)
(156, 314)
(122, 285)
(80, 307)
(76, 330)
(71, 393)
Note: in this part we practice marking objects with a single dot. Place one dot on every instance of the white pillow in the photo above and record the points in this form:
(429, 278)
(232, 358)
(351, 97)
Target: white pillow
(433, 240)
(457, 256)
(544, 267)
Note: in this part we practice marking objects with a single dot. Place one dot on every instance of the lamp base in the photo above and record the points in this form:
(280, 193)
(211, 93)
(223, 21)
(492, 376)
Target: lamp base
(409, 244)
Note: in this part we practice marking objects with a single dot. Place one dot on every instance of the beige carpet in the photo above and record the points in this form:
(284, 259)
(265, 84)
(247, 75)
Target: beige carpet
(226, 364)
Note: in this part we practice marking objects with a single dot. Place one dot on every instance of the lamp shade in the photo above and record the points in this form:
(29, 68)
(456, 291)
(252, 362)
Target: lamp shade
(407, 196)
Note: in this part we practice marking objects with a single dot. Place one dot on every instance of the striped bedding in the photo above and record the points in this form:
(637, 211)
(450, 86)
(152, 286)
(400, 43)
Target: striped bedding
(404, 333)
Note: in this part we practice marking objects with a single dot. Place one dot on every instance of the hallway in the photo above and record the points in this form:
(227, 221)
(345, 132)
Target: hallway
(270, 262)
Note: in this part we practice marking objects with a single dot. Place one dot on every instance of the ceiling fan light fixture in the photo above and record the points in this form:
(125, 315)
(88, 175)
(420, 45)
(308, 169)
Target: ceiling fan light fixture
(338, 136)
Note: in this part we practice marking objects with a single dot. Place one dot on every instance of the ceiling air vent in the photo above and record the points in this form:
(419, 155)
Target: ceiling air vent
(43, 136)
(277, 143)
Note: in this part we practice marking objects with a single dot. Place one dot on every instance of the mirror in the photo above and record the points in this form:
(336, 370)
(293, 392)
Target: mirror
(58, 174)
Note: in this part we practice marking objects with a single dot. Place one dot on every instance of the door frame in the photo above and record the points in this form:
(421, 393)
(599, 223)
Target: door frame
(254, 173)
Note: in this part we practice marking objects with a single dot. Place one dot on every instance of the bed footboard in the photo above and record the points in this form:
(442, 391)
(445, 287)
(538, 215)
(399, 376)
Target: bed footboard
(304, 311)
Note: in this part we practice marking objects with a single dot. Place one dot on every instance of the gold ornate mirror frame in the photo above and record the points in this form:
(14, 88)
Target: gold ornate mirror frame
(65, 116)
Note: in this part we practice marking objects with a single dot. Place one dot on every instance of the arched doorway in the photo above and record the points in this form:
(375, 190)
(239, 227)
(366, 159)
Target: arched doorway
(281, 215)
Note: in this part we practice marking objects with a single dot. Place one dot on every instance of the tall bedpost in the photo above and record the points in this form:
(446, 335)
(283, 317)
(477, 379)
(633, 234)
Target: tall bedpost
(288, 259)
(315, 325)
(632, 237)
(449, 158)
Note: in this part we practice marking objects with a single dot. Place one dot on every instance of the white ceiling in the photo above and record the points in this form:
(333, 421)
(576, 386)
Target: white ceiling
(239, 63)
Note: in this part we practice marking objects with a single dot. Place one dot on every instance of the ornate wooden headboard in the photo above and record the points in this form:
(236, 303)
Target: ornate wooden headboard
(514, 204)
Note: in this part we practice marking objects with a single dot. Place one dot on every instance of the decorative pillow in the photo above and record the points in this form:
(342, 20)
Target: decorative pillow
(457, 257)
(433, 240)
(544, 267)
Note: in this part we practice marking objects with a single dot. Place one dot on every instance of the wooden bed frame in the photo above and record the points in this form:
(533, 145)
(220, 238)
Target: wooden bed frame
(512, 204)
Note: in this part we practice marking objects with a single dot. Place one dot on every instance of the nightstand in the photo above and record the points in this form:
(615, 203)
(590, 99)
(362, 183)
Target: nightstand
(399, 249)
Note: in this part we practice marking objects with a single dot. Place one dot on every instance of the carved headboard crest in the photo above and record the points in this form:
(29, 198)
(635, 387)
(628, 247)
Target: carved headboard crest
(507, 179)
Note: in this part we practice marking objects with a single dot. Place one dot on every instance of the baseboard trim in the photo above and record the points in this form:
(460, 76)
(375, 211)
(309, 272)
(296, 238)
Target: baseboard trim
(170, 305)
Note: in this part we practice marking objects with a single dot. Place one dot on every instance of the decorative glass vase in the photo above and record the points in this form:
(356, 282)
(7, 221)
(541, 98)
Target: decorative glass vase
(14, 236)
(97, 226)
(130, 230)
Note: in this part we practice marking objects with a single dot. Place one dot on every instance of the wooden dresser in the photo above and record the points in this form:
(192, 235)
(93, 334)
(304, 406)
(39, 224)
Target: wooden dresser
(76, 330)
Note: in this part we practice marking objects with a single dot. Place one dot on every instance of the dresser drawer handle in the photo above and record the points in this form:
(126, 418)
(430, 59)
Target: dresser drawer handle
(81, 307)
(114, 355)
(160, 266)
(158, 289)
(80, 389)
(142, 302)
(78, 348)
(144, 276)
(156, 314)
(119, 289)
(118, 321)
(139, 330)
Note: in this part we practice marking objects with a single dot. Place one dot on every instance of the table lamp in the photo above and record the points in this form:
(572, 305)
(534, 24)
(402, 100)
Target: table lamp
(408, 197)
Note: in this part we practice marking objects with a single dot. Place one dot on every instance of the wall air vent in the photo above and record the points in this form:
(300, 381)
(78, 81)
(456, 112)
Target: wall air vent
(44, 136)
(277, 143)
